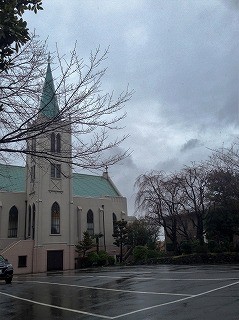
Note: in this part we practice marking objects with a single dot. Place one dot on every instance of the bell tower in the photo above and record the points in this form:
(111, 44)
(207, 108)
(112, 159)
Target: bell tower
(49, 221)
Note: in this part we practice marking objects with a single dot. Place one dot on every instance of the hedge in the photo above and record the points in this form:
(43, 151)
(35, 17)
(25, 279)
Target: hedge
(202, 258)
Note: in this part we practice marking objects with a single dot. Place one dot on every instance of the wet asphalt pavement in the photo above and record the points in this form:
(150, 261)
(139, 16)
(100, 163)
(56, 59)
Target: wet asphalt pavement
(142, 293)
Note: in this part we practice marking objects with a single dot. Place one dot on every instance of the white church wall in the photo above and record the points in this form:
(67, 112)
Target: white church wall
(103, 209)
(8, 200)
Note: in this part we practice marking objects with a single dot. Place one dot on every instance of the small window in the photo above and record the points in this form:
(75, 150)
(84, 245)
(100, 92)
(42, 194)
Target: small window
(34, 144)
(29, 220)
(22, 261)
(58, 143)
(55, 171)
(33, 173)
(53, 142)
(33, 220)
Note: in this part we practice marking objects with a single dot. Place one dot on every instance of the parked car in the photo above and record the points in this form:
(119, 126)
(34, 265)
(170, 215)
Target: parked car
(6, 270)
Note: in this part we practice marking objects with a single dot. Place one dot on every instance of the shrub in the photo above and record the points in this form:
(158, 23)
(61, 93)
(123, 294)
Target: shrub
(186, 247)
(223, 246)
(197, 247)
(202, 258)
(212, 246)
(93, 258)
(103, 258)
(140, 254)
(111, 260)
(169, 247)
(153, 254)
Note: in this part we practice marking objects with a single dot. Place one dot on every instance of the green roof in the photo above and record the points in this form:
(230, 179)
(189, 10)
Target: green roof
(49, 106)
(92, 186)
(13, 179)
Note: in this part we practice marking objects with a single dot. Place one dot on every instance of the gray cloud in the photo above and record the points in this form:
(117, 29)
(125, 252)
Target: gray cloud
(233, 4)
(168, 165)
(190, 144)
(180, 57)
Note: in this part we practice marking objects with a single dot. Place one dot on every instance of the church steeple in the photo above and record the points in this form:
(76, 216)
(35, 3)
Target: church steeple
(48, 105)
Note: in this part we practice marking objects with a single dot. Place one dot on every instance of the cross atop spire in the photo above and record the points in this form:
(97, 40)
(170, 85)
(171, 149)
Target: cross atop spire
(49, 105)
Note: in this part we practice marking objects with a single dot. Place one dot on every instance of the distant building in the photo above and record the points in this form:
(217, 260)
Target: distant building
(45, 207)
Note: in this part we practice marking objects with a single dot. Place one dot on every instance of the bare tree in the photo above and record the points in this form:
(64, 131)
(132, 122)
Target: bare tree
(194, 180)
(225, 158)
(160, 196)
(84, 110)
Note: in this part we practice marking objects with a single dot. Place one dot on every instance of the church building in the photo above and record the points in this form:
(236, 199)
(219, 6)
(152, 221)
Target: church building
(45, 207)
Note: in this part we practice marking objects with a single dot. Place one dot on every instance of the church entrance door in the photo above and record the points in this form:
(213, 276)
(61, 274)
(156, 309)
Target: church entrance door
(54, 260)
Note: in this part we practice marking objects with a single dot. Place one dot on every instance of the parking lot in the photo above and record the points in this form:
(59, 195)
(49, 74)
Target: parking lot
(142, 293)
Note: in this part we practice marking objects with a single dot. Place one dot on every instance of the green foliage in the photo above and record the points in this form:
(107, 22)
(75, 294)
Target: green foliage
(186, 247)
(111, 260)
(140, 254)
(202, 258)
(212, 246)
(222, 223)
(13, 29)
(93, 258)
(222, 220)
(142, 233)
(97, 237)
(199, 248)
(103, 258)
(223, 187)
(153, 254)
(169, 247)
(120, 235)
(86, 244)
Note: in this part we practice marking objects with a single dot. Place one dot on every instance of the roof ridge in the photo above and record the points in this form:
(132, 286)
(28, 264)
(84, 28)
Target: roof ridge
(87, 174)
(12, 165)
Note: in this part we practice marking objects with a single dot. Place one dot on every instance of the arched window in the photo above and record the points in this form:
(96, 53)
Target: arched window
(13, 222)
(114, 218)
(53, 142)
(90, 222)
(29, 220)
(55, 218)
(58, 143)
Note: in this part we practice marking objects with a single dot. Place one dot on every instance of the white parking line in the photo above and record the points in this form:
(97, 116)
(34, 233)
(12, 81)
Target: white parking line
(171, 279)
(55, 307)
(175, 301)
(189, 279)
(122, 315)
(109, 289)
(139, 278)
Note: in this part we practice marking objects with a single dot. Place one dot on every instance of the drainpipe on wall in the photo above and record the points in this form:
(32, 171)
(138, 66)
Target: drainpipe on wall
(25, 226)
(79, 210)
(103, 210)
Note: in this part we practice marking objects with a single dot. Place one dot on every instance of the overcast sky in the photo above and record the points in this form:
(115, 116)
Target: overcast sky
(181, 59)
